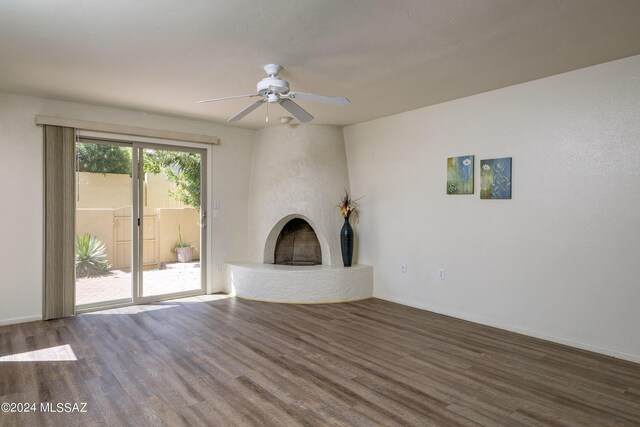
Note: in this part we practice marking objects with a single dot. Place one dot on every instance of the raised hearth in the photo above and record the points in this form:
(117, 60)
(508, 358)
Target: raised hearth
(300, 284)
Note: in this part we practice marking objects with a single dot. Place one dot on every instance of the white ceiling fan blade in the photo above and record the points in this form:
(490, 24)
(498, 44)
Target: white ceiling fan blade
(246, 111)
(228, 97)
(334, 100)
(297, 111)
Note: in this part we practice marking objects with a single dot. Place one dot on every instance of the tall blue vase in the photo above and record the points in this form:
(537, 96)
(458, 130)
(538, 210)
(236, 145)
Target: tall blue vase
(346, 243)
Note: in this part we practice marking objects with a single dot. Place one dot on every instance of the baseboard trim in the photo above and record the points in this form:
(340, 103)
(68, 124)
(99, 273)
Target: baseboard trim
(487, 322)
(15, 320)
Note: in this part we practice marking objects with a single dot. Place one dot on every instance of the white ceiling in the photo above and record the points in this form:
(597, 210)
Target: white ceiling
(386, 56)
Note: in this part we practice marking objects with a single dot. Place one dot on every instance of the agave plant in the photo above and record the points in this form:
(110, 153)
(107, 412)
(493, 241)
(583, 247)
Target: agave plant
(91, 256)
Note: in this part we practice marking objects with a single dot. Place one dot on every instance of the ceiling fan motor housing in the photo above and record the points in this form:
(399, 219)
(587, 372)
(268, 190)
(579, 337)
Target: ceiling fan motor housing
(272, 85)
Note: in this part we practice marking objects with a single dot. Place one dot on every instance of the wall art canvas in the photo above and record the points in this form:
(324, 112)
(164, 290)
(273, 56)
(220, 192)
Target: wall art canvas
(460, 175)
(495, 178)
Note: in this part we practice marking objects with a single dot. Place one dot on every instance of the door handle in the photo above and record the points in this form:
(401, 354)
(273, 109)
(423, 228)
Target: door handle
(203, 220)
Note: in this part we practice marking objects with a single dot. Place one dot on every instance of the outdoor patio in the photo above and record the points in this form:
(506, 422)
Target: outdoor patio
(176, 277)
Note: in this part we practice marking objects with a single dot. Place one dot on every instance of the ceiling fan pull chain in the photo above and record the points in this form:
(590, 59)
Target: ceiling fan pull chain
(267, 118)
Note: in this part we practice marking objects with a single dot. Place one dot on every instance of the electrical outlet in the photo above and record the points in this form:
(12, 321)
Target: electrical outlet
(403, 267)
(441, 273)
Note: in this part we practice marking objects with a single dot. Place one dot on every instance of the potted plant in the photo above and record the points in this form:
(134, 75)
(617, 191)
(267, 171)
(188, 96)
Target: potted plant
(183, 250)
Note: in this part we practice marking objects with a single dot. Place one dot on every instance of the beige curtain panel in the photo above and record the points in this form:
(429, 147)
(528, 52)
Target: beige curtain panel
(59, 228)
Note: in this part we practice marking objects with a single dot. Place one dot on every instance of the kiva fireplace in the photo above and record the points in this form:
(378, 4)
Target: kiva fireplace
(298, 175)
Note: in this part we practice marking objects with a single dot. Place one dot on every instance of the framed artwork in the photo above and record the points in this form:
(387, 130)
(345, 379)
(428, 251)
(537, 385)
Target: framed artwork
(495, 178)
(460, 175)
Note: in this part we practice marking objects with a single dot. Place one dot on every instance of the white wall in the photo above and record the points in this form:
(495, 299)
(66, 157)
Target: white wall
(561, 259)
(21, 189)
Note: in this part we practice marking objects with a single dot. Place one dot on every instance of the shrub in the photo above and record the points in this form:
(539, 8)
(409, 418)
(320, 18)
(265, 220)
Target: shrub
(183, 169)
(91, 256)
(100, 158)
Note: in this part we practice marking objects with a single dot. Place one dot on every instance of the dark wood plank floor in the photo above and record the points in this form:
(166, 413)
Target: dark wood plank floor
(238, 362)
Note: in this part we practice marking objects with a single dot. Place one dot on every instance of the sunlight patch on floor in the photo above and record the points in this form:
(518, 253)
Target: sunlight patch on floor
(60, 353)
(142, 308)
(132, 309)
(202, 298)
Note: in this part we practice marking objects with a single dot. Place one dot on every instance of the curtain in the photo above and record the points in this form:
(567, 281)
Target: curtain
(59, 226)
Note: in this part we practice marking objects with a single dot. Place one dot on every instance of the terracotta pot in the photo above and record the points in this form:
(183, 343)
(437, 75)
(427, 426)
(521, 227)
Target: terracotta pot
(184, 254)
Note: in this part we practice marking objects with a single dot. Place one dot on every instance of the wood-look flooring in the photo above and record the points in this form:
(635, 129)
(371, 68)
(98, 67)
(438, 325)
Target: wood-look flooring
(237, 362)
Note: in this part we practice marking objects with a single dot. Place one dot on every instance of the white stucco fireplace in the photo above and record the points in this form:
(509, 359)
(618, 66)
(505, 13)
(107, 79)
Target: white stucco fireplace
(299, 173)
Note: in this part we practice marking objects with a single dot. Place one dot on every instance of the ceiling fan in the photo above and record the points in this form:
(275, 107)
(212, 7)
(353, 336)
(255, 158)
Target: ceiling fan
(273, 90)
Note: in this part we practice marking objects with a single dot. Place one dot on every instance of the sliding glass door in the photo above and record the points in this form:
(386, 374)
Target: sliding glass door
(171, 236)
(104, 201)
(140, 219)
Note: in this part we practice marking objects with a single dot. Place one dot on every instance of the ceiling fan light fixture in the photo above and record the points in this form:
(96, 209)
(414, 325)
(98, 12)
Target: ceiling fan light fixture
(285, 119)
(272, 98)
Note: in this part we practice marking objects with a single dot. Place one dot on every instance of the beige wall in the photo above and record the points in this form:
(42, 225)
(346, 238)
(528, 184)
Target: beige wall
(100, 196)
(168, 222)
(21, 188)
(97, 190)
(559, 260)
(161, 232)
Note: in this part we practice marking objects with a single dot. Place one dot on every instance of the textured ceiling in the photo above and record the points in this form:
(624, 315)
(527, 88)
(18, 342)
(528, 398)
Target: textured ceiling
(386, 56)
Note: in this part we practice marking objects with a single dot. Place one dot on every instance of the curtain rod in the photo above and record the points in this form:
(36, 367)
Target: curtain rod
(126, 130)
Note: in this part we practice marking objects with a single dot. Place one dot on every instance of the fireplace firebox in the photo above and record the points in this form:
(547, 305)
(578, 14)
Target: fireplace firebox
(297, 244)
